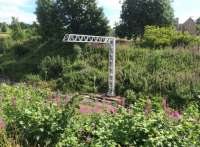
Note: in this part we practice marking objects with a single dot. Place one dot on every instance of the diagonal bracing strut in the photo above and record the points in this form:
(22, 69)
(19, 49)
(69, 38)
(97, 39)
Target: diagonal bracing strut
(99, 39)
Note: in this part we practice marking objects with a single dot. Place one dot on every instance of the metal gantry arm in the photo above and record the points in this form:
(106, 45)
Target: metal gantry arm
(99, 39)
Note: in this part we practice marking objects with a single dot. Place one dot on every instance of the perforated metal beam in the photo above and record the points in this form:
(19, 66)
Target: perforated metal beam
(99, 39)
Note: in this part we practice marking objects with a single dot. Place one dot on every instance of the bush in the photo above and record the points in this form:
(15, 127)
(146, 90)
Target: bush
(183, 40)
(52, 67)
(127, 129)
(4, 140)
(33, 118)
(20, 50)
(36, 118)
(32, 78)
(130, 96)
(18, 35)
(161, 37)
(82, 79)
(156, 37)
(76, 52)
(5, 44)
(4, 28)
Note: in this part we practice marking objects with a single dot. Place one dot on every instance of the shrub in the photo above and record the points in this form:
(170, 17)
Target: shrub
(20, 50)
(156, 37)
(18, 35)
(52, 67)
(83, 79)
(161, 37)
(34, 116)
(4, 140)
(128, 129)
(76, 52)
(5, 44)
(130, 96)
(32, 78)
(4, 28)
(182, 39)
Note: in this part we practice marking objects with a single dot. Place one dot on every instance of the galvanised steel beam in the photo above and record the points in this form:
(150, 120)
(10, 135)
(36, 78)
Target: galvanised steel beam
(99, 39)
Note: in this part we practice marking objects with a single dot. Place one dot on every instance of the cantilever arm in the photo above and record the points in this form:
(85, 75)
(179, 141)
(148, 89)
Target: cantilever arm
(87, 38)
(99, 39)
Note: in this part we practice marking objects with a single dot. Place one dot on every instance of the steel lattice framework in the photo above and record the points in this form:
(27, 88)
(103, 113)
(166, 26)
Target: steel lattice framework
(99, 39)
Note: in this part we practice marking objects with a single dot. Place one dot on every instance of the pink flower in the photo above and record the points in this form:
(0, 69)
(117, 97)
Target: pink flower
(66, 100)
(165, 103)
(175, 114)
(2, 124)
(148, 106)
(113, 110)
(14, 101)
(58, 100)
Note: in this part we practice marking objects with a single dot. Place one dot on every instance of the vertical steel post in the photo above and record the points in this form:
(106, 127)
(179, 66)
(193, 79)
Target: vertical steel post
(99, 39)
(111, 78)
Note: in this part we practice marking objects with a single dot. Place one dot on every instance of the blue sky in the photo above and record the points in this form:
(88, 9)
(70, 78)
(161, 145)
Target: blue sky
(24, 9)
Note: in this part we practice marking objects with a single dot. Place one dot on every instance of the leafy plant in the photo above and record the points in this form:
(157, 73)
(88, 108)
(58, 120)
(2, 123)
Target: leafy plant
(52, 67)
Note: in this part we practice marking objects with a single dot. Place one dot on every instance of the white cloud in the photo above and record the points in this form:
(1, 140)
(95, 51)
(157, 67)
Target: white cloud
(185, 9)
(9, 8)
(112, 9)
(112, 4)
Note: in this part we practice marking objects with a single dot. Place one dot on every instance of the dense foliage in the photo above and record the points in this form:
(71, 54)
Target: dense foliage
(198, 21)
(32, 117)
(74, 16)
(144, 71)
(162, 63)
(156, 37)
(136, 14)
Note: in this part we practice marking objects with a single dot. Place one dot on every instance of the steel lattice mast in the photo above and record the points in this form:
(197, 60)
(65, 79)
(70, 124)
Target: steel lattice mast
(99, 39)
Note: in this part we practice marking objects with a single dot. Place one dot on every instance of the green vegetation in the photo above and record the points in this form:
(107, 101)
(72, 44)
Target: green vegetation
(35, 118)
(157, 73)
(156, 37)
(77, 16)
(144, 71)
(136, 14)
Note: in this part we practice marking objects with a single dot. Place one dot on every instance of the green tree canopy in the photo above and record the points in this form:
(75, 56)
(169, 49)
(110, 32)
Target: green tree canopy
(46, 17)
(4, 27)
(198, 21)
(17, 32)
(70, 16)
(136, 14)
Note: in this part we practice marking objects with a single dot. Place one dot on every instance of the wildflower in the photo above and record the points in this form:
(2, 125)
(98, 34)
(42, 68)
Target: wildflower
(14, 102)
(66, 100)
(175, 115)
(112, 110)
(148, 106)
(58, 100)
(169, 112)
(2, 124)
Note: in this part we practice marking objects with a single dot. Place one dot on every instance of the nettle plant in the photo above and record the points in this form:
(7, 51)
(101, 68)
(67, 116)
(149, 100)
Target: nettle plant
(43, 120)
(36, 120)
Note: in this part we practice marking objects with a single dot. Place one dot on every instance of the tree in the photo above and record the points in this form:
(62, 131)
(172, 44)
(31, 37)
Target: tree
(46, 17)
(136, 14)
(17, 32)
(70, 16)
(4, 27)
(198, 21)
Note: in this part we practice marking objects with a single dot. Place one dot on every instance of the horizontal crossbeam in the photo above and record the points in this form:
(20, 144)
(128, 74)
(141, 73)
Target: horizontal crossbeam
(99, 39)
(87, 39)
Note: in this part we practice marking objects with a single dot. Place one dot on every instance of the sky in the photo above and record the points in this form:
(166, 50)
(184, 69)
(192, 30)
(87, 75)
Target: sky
(24, 10)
